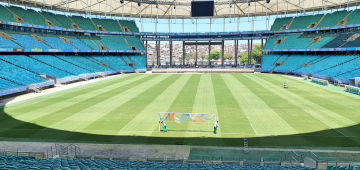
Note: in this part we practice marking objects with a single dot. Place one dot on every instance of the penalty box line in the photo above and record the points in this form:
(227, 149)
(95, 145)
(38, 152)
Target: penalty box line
(326, 123)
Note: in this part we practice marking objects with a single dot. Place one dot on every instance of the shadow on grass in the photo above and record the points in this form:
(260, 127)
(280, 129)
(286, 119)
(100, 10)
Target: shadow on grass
(24, 131)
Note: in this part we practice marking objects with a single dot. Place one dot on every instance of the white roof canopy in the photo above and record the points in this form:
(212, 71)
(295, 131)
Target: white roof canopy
(239, 8)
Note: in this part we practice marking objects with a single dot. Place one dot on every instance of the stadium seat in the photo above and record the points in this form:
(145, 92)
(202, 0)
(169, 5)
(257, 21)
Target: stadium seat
(6, 84)
(78, 44)
(338, 41)
(19, 75)
(113, 62)
(6, 15)
(114, 42)
(108, 24)
(35, 66)
(295, 41)
(26, 41)
(56, 43)
(280, 22)
(30, 16)
(303, 22)
(84, 62)
(51, 18)
(8, 44)
(353, 18)
(332, 19)
(341, 67)
(11, 162)
(64, 20)
(135, 41)
(130, 25)
(83, 23)
(60, 63)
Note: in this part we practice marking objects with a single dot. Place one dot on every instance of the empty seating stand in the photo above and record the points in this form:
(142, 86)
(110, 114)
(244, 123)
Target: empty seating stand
(12, 162)
(280, 23)
(31, 16)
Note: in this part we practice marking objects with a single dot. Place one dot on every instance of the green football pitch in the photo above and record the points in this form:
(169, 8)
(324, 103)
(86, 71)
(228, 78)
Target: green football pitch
(253, 106)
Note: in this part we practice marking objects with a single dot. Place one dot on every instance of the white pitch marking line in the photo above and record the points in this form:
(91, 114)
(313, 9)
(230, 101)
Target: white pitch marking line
(253, 129)
(325, 123)
(125, 126)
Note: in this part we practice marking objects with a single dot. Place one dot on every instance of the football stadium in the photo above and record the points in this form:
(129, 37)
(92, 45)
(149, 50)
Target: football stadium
(201, 84)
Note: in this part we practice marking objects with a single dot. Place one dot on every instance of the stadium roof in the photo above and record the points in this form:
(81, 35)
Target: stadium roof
(239, 8)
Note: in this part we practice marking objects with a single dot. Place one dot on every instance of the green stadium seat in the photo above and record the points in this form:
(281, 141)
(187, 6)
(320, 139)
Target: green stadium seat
(353, 18)
(303, 22)
(108, 24)
(280, 22)
(332, 19)
(6, 15)
(83, 23)
(30, 16)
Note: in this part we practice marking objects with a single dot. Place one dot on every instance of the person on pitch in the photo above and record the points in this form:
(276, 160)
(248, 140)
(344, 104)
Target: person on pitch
(164, 126)
(215, 126)
(285, 86)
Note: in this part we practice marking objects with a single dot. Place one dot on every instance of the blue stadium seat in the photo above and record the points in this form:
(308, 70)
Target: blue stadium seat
(11, 162)
(27, 41)
(56, 43)
(19, 75)
(34, 65)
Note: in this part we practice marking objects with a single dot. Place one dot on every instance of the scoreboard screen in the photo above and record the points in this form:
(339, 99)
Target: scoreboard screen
(202, 9)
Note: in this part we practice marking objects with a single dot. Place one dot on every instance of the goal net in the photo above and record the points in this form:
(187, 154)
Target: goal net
(196, 122)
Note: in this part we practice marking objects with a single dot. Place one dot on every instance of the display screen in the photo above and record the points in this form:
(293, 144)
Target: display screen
(202, 8)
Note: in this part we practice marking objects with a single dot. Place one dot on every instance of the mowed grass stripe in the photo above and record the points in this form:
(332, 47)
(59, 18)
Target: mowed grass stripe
(33, 115)
(33, 104)
(49, 117)
(229, 110)
(28, 116)
(345, 105)
(291, 113)
(204, 103)
(147, 119)
(260, 115)
(205, 98)
(184, 103)
(87, 116)
(326, 116)
(124, 113)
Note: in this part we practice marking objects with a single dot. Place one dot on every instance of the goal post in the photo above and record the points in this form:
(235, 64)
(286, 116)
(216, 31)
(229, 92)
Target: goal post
(192, 121)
